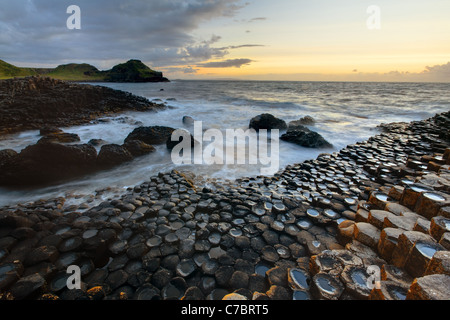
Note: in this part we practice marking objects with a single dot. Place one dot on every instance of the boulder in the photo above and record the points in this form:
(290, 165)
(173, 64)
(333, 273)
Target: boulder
(61, 137)
(7, 157)
(113, 154)
(189, 121)
(97, 142)
(138, 148)
(268, 122)
(151, 135)
(305, 121)
(47, 162)
(308, 139)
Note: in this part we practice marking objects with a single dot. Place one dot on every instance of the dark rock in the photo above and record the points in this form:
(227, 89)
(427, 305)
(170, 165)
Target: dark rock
(38, 100)
(44, 253)
(306, 139)
(138, 148)
(28, 286)
(116, 279)
(47, 162)
(389, 290)
(325, 286)
(187, 120)
(113, 154)
(278, 293)
(161, 278)
(267, 121)
(239, 280)
(49, 130)
(97, 142)
(193, 293)
(277, 276)
(151, 135)
(147, 292)
(432, 287)
(60, 137)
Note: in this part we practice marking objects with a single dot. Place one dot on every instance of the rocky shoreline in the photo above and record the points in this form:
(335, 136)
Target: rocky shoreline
(33, 103)
(315, 230)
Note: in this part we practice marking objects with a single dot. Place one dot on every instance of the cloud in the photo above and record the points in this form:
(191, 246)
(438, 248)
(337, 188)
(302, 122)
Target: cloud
(258, 19)
(157, 32)
(230, 63)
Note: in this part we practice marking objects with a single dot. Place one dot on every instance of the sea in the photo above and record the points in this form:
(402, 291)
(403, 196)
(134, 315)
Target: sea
(345, 113)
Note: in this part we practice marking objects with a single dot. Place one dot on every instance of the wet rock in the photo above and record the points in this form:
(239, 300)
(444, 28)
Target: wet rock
(193, 294)
(161, 278)
(239, 280)
(267, 121)
(325, 286)
(355, 279)
(325, 262)
(411, 194)
(277, 276)
(432, 287)
(309, 139)
(28, 286)
(189, 121)
(376, 217)
(40, 254)
(405, 243)
(97, 142)
(138, 148)
(175, 289)
(147, 292)
(439, 264)
(429, 203)
(389, 290)
(393, 273)
(278, 293)
(367, 234)
(445, 240)
(439, 226)
(298, 279)
(234, 296)
(48, 162)
(388, 241)
(60, 137)
(419, 257)
(151, 135)
(96, 293)
(113, 154)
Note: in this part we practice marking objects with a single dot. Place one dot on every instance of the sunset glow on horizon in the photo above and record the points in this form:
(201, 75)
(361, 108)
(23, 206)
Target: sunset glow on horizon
(257, 39)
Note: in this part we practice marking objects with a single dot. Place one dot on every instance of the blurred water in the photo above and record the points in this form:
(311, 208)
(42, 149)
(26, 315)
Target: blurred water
(345, 113)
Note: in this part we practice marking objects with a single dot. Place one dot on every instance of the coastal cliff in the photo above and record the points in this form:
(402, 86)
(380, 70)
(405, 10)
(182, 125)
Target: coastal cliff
(130, 71)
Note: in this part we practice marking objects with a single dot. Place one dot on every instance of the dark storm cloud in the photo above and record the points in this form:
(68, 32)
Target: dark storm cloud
(155, 31)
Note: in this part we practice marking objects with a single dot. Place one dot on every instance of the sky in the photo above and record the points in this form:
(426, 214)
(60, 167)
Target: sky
(305, 40)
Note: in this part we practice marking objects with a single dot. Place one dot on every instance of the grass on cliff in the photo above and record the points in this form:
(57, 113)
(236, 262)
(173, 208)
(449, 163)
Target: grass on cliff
(131, 71)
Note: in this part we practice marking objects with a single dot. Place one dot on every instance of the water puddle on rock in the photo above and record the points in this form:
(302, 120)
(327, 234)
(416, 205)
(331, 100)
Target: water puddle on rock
(426, 249)
(325, 285)
(434, 196)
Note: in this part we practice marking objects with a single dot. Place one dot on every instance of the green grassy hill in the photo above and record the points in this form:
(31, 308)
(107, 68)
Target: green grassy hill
(131, 71)
(10, 71)
(76, 72)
